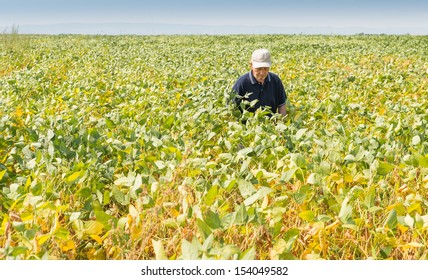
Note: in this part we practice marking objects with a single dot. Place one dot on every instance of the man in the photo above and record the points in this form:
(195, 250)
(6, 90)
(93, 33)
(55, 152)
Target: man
(261, 85)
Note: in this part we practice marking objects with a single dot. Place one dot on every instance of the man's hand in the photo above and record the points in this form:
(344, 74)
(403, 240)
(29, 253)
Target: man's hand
(282, 110)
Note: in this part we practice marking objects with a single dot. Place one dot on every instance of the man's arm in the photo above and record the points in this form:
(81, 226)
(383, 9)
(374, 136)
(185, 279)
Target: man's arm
(281, 97)
(282, 110)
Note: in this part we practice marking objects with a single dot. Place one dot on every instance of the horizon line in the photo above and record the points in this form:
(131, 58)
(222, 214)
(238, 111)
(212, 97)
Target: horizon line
(239, 28)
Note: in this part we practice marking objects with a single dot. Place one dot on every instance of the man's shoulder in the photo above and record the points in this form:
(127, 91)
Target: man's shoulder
(243, 79)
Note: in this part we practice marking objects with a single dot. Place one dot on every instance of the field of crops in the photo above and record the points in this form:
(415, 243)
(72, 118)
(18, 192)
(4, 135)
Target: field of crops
(126, 147)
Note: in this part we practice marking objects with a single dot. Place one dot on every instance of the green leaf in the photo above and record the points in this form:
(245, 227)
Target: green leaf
(211, 195)
(169, 121)
(244, 166)
(230, 184)
(189, 251)
(20, 250)
(203, 228)
(245, 151)
(300, 133)
(104, 218)
(37, 189)
(323, 169)
(409, 221)
(62, 233)
(240, 216)
(160, 164)
(350, 158)
(419, 221)
(386, 251)
(93, 227)
(391, 221)
(290, 237)
(159, 250)
(138, 182)
(212, 219)
(384, 168)
(106, 197)
(411, 160)
(298, 160)
(345, 211)
(262, 192)
(300, 195)
(312, 179)
(324, 218)
(124, 181)
(208, 243)
(416, 140)
(423, 161)
(249, 254)
(135, 189)
(119, 196)
(74, 216)
(307, 215)
(374, 209)
(50, 134)
(288, 174)
(229, 251)
(84, 192)
(246, 188)
(370, 197)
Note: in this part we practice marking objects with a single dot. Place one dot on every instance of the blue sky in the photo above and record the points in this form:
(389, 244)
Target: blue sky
(303, 13)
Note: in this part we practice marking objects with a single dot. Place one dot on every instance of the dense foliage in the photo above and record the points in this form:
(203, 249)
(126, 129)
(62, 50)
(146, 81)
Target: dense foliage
(126, 147)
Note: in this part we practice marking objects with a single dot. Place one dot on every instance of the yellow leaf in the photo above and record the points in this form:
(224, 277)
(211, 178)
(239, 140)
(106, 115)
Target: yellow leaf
(73, 177)
(42, 239)
(97, 238)
(335, 177)
(93, 227)
(413, 245)
(28, 182)
(333, 225)
(174, 212)
(67, 245)
(27, 217)
(4, 224)
(2, 173)
(360, 179)
(402, 228)
(347, 178)
(19, 112)
(390, 207)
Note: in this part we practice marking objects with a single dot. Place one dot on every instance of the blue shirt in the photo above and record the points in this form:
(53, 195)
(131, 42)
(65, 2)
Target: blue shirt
(270, 94)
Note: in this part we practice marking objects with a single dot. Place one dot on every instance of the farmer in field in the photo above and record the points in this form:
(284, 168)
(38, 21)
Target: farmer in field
(261, 85)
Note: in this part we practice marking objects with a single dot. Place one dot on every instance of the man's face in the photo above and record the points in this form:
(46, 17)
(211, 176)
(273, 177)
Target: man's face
(260, 73)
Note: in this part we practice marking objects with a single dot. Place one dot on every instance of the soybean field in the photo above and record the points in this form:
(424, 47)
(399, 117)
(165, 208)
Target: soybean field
(128, 147)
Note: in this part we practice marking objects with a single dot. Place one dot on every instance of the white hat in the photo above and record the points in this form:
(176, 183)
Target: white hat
(261, 58)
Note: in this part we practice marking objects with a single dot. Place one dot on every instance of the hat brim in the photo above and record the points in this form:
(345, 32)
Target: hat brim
(261, 64)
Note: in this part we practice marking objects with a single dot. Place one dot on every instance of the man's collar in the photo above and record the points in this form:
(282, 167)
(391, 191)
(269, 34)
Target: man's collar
(253, 79)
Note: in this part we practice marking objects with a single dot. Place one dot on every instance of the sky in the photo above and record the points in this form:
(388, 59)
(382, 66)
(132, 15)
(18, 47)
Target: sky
(403, 14)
